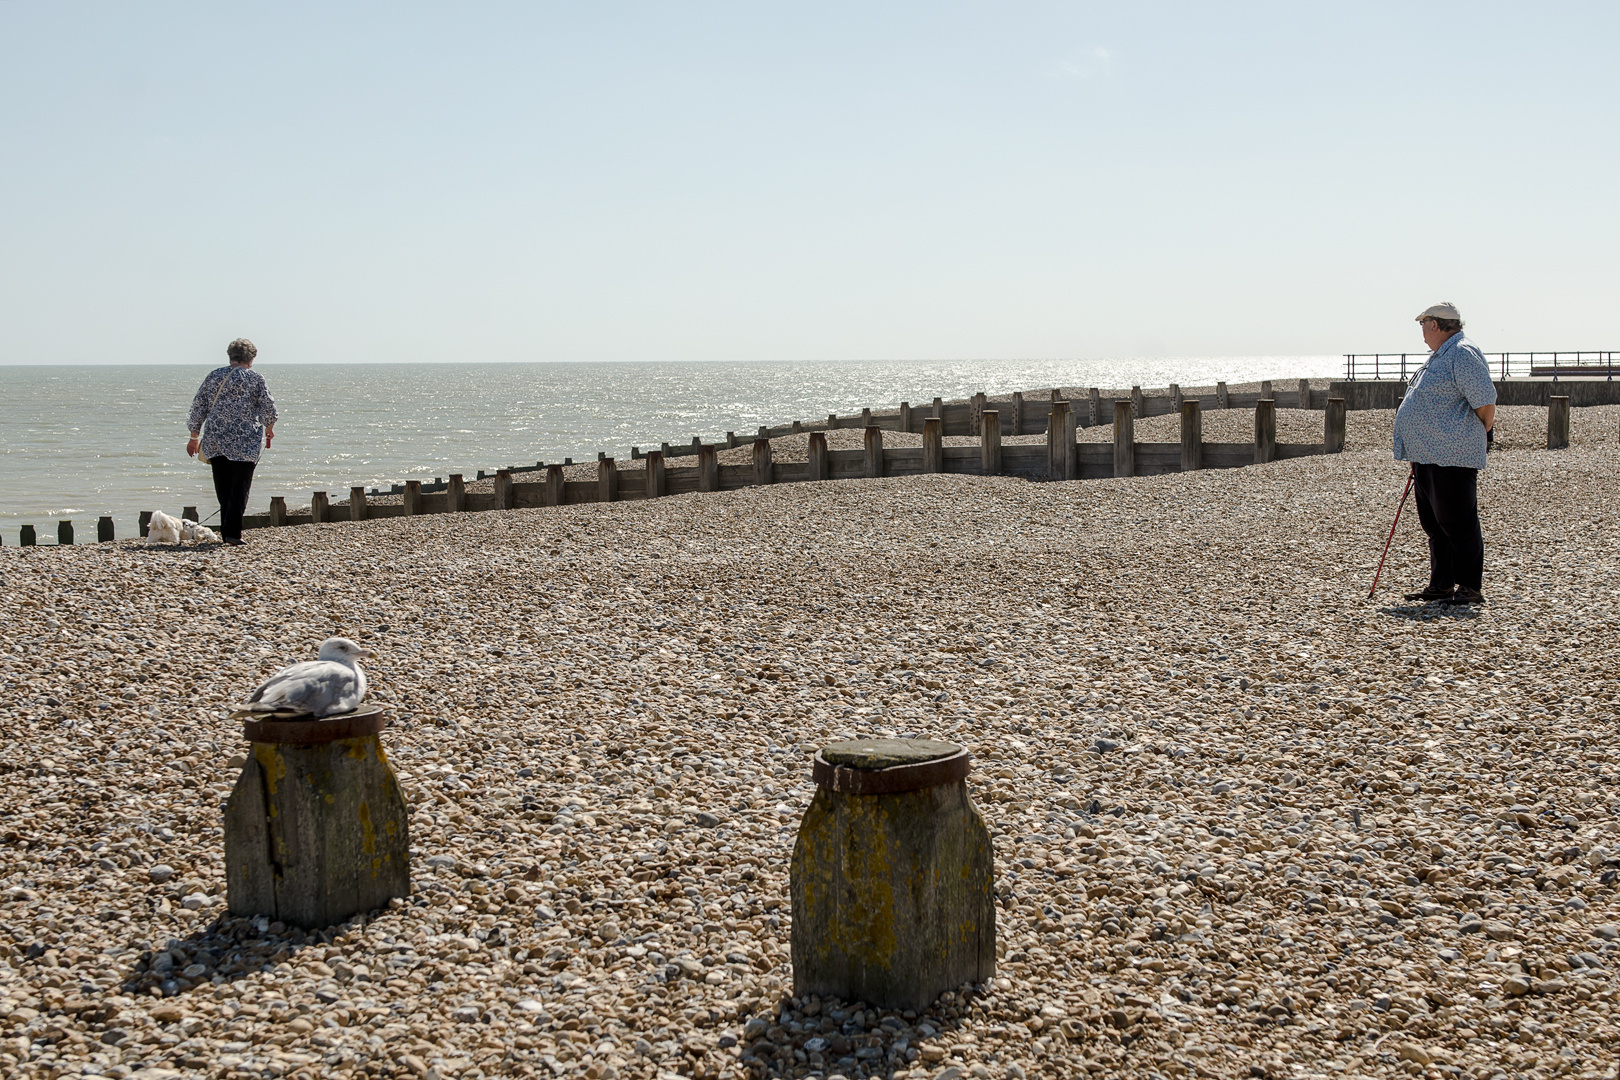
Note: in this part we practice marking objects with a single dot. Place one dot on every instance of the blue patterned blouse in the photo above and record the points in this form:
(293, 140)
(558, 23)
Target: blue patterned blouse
(237, 420)
(1435, 424)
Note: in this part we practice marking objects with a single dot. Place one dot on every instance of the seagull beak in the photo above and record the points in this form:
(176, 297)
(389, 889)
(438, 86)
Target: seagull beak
(367, 653)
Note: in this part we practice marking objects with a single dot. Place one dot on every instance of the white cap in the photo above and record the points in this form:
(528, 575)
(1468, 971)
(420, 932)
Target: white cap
(1441, 311)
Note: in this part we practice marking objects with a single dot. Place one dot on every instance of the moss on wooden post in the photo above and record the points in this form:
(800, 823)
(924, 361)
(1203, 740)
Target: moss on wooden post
(316, 829)
(892, 876)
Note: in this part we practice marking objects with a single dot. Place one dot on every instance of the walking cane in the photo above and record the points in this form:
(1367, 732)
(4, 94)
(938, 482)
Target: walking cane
(1409, 478)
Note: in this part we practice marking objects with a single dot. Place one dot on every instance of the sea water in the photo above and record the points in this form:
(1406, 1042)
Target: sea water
(80, 442)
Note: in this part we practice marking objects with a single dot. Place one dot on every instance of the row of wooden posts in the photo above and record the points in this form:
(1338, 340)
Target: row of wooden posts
(1062, 458)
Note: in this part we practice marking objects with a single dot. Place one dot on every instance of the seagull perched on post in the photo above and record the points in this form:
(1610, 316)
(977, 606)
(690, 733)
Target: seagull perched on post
(333, 683)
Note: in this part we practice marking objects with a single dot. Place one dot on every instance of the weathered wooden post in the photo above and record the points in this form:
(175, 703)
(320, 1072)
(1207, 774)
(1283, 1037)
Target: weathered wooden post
(1333, 426)
(278, 511)
(412, 498)
(1223, 399)
(731, 440)
(874, 451)
(832, 421)
(189, 514)
(357, 504)
(1016, 426)
(1071, 442)
(1265, 390)
(697, 444)
(815, 457)
(26, 537)
(1304, 393)
(764, 433)
(1192, 435)
(1175, 398)
(320, 510)
(1136, 402)
(316, 829)
(104, 529)
(1060, 454)
(145, 523)
(456, 494)
(990, 442)
(905, 416)
(933, 445)
(708, 469)
(553, 494)
(1124, 438)
(764, 468)
(1265, 431)
(866, 418)
(892, 876)
(797, 427)
(505, 497)
(1558, 423)
(1094, 399)
(607, 480)
(976, 414)
(657, 478)
(939, 408)
(64, 533)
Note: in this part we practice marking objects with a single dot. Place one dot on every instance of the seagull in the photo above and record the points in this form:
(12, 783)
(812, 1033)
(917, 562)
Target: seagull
(331, 684)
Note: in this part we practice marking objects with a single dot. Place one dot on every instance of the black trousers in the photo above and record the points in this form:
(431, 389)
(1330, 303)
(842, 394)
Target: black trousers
(232, 479)
(1448, 508)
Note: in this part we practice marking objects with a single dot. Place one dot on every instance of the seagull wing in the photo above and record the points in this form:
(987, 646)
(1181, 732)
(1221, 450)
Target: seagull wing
(314, 688)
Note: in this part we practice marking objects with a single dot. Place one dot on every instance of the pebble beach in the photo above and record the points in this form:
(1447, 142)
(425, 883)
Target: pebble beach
(1247, 823)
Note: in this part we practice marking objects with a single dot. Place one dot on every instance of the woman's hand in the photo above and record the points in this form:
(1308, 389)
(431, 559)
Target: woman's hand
(191, 447)
(269, 433)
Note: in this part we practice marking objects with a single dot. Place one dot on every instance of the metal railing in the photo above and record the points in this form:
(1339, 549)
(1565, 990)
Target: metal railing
(1506, 365)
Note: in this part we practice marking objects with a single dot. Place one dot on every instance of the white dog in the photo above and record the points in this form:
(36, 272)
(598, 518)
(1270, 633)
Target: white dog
(193, 533)
(164, 529)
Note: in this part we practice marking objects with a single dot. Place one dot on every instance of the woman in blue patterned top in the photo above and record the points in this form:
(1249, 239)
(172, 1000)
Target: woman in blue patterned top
(1442, 428)
(238, 410)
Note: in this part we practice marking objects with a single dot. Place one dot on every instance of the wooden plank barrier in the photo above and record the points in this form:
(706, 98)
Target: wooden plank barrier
(1062, 457)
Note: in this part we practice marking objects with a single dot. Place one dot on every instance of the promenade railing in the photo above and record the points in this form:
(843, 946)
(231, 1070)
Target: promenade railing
(1504, 365)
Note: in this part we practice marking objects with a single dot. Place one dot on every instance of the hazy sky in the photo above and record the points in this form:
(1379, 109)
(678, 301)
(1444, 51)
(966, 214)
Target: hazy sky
(769, 181)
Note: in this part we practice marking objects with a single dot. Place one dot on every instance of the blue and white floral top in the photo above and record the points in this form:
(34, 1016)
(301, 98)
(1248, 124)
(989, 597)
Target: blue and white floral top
(1435, 424)
(237, 420)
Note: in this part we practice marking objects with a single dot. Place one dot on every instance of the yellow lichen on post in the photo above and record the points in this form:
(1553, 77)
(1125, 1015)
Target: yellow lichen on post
(892, 891)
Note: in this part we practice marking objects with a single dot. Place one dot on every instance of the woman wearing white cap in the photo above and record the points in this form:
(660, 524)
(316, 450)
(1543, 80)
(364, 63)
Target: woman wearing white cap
(1442, 428)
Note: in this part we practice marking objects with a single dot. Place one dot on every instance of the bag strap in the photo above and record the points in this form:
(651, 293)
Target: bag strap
(218, 392)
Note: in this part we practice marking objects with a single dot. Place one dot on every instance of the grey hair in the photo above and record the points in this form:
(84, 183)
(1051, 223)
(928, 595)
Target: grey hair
(1448, 326)
(241, 350)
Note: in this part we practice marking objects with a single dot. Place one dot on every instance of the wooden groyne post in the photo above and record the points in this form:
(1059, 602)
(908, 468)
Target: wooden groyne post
(1333, 426)
(1558, 423)
(1265, 431)
(1192, 436)
(316, 829)
(1124, 439)
(990, 441)
(892, 878)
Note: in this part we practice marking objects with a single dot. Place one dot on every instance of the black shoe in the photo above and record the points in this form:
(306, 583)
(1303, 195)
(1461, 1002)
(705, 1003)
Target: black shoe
(1431, 595)
(1466, 598)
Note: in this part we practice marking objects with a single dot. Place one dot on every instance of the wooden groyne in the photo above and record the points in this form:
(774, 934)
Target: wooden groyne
(1020, 414)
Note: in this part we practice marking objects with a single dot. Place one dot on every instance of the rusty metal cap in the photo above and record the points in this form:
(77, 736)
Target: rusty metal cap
(888, 766)
(350, 725)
